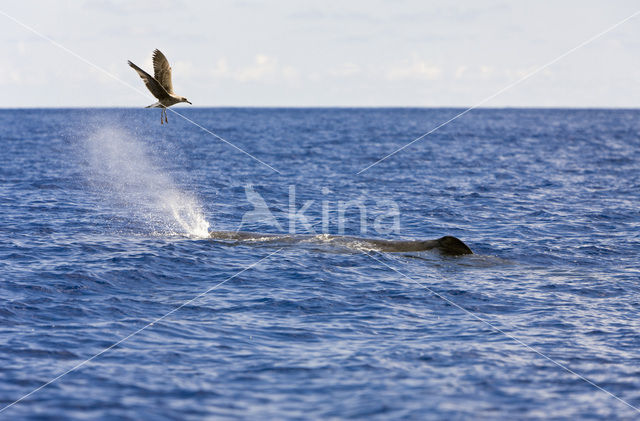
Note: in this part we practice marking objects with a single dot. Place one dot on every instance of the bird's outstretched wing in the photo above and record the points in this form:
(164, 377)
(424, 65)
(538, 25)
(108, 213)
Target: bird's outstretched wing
(162, 70)
(154, 86)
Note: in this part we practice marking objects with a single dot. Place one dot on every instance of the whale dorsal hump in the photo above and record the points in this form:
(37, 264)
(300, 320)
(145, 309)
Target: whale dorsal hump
(453, 246)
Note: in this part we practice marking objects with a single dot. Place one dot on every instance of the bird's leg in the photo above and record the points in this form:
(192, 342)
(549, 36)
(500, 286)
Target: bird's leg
(165, 116)
(161, 115)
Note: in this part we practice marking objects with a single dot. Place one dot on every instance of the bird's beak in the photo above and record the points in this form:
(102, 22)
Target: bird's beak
(189, 102)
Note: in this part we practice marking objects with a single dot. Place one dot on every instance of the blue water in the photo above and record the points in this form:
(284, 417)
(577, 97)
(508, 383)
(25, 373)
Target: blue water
(103, 222)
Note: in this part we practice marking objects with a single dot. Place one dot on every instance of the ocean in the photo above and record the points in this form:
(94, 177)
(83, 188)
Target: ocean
(114, 298)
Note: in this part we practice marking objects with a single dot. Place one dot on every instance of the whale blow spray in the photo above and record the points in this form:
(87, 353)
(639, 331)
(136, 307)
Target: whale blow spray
(123, 170)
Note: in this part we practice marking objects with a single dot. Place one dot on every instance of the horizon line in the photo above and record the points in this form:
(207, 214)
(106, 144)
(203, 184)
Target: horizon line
(435, 107)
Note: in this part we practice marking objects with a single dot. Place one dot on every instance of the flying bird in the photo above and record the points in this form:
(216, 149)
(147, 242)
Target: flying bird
(160, 84)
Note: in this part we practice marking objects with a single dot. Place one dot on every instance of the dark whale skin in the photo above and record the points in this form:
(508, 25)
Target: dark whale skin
(447, 245)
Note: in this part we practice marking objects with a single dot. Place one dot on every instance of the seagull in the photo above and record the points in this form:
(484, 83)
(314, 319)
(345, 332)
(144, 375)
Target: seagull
(160, 84)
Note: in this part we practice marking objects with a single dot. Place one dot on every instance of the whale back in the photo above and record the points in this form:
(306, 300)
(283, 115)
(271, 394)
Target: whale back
(452, 246)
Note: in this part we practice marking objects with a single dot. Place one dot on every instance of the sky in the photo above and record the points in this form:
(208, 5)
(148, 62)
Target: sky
(344, 53)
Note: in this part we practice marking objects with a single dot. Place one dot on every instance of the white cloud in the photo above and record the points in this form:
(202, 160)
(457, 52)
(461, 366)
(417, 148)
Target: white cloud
(414, 69)
(523, 72)
(183, 68)
(221, 69)
(486, 71)
(264, 68)
(345, 70)
(290, 73)
(9, 77)
(314, 77)
(400, 48)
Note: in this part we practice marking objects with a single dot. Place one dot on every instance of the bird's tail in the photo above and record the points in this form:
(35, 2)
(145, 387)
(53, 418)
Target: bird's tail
(156, 105)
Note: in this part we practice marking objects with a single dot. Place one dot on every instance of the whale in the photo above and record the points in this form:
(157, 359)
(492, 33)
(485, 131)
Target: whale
(447, 245)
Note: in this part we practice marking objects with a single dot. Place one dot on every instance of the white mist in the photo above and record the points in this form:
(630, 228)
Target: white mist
(122, 167)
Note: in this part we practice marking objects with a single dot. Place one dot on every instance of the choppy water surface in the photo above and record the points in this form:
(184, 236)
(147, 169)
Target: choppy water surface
(103, 223)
